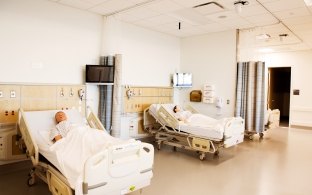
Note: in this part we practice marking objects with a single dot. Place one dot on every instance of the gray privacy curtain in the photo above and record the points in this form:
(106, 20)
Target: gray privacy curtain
(250, 96)
(106, 97)
(105, 106)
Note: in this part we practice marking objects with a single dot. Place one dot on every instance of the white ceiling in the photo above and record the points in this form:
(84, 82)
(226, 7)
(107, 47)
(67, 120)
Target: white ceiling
(273, 17)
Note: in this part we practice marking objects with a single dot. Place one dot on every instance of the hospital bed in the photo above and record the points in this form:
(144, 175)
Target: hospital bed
(117, 169)
(206, 138)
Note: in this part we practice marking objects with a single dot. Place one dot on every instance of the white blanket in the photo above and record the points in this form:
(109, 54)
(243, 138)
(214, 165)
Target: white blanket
(200, 120)
(80, 143)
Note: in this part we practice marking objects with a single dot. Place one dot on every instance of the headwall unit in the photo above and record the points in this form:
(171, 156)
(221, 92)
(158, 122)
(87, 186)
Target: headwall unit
(31, 97)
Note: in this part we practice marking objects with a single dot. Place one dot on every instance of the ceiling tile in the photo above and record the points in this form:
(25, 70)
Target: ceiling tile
(139, 1)
(283, 5)
(190, 3)
(297, 20)
(163, 6)
(267, 1)
(161, 19)
(136, 14)
(214, 27)
(253, 10)
(190, 16)
(262, 20)
(81, 4)
(292, 13)
(112, 6)
(301, 27)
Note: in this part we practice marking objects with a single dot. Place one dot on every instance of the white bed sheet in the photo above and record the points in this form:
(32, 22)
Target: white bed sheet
(215, 130)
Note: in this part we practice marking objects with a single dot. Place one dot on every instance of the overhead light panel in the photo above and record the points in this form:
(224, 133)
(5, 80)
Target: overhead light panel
(239, 5)
(308, 2)
(263, 37)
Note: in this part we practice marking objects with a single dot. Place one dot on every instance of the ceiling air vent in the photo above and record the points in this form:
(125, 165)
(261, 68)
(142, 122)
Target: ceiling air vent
(209, 7)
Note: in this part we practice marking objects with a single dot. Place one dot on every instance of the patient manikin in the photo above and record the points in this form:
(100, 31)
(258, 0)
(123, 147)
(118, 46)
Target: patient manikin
(62, 127)
(181, 115)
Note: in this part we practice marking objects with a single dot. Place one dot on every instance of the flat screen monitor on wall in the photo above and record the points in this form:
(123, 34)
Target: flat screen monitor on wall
(99, 74)
(182, 80)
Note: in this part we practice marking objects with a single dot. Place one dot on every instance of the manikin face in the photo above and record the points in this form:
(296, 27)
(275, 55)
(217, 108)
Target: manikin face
(60, 116)
(177, 109)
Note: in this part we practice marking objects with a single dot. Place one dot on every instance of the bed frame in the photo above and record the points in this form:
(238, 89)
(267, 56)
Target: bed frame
(99, 174)
(169, 134)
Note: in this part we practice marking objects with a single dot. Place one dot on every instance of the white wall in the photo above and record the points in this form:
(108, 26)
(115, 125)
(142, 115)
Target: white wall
(148, 57)
(301, 71)
(212, 60)
(45, 42)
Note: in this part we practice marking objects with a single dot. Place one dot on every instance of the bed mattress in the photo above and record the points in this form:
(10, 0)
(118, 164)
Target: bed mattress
(213, 131)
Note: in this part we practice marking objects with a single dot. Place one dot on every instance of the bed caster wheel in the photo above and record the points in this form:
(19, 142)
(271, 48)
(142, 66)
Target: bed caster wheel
(31, 181)
(158, 146)
(202, 156)
(250, 137)
(261, 135)
(216, 153)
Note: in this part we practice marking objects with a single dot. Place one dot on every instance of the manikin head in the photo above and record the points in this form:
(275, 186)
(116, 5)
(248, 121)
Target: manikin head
(60, 116)
(176, 109)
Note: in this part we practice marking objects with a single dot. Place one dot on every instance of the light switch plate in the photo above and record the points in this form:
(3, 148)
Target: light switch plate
(12, 94)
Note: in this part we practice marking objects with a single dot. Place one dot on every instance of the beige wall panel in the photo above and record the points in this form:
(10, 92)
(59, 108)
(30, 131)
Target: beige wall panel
(165, 100)
(145, 96)
(9, 110)
(9, 106)
(147, 101)
(39, 92)
(38, 97)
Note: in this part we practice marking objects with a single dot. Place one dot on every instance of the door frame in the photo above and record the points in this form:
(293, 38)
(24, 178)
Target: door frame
(291, 88)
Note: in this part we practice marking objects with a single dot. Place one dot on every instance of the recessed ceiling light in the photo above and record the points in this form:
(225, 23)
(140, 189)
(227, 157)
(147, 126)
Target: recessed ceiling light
(222, 17)
(263, 36)
(239, 4)
(308, 2)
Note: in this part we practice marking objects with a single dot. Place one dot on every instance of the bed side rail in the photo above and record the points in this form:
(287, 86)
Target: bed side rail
(93, 120)
(166, 116)
(235, 124)
(32, 148)
(117, 162)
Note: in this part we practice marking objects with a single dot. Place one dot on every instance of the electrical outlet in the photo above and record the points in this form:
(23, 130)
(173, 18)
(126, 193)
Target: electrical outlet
(1, 94)
(12, 94)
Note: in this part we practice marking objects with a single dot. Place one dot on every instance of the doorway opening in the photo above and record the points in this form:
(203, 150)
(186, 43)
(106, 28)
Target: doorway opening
(279, 92)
